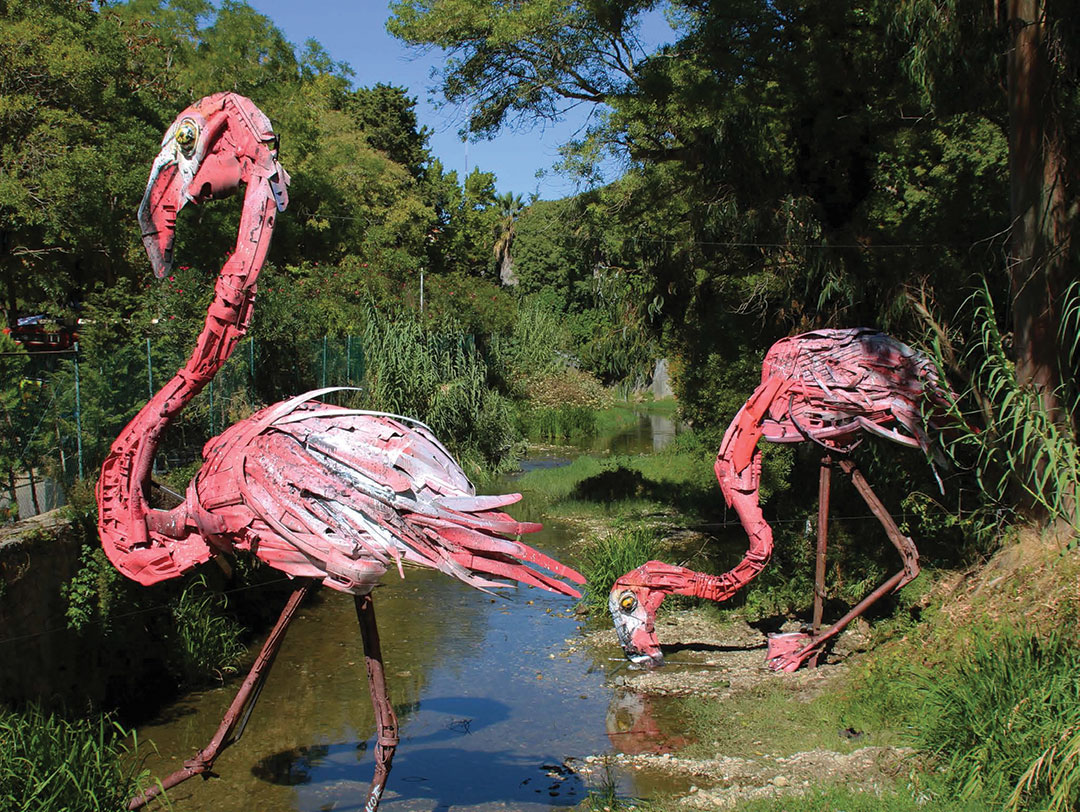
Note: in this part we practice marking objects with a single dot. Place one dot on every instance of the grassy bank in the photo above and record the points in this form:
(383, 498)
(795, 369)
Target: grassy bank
(976, 679)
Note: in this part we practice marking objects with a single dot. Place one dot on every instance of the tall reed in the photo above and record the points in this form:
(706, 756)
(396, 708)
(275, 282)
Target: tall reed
(1023, 444)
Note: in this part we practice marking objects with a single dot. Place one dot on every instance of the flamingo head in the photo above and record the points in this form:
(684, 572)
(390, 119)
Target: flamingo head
(633, 606)
(214, 146)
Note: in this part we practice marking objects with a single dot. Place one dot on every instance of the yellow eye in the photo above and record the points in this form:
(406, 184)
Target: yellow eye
(628, 602)
(186, 134)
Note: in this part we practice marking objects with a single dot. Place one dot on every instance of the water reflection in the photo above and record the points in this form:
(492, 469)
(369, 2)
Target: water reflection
(652, 432)
(635, 724)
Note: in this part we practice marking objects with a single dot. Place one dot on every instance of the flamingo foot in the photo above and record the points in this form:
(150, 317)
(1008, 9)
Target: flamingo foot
(789, 651)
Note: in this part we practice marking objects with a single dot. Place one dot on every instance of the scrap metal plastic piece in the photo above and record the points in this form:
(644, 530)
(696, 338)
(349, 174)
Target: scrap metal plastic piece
(827, 387)
(317, 491)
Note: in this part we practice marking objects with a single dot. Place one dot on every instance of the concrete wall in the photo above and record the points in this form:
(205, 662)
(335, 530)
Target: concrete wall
(40, 659)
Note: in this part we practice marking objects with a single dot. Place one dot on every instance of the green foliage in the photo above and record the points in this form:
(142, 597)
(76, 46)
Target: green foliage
(52, 764)
(439, 378)
(1008, 697)
(1024, 444)
(209, 641)
(609, 557)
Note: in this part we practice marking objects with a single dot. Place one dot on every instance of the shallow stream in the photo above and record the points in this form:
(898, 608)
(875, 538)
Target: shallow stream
(496, 709)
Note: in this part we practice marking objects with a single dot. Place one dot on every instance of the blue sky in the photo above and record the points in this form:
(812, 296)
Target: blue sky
(354, 31)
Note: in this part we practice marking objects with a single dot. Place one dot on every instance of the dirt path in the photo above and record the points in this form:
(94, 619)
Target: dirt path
(769, 738)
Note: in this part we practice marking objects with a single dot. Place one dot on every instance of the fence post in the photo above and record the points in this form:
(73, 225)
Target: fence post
(78, 412)
(150, 386)
(348, 360)
(323, 386)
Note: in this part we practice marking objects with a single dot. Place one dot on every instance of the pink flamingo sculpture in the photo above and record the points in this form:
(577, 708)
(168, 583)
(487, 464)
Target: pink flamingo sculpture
(827, 387)
(316, 491)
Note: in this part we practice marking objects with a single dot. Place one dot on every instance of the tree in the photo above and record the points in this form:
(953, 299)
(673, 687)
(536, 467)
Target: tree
(1035, 88)
(509, 207)
(77, 112)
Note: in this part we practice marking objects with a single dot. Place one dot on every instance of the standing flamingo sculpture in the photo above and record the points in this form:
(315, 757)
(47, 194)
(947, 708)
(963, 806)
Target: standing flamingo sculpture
(826, 387)
(316, 491)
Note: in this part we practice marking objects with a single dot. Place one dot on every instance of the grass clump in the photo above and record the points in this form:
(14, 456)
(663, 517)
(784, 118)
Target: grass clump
(566, 422)
(51, 764)
(995, 710)
(209, 641)
(609, 557)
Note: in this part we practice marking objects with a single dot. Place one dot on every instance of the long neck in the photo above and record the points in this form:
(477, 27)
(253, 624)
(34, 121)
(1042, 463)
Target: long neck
(226, 323)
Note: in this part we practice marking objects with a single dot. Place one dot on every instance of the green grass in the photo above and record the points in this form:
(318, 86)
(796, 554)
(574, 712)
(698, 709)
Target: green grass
(609, 557)
(770, 718)
(841, 799)
(51, 764)
(996, 706)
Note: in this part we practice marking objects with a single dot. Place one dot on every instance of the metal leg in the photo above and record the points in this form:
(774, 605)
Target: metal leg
(386, 725)
(824, 487)
(236, 718)
(789, 661)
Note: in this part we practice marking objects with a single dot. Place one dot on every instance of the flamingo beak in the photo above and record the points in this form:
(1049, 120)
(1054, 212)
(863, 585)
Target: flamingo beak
(635, 627)
(162, 201)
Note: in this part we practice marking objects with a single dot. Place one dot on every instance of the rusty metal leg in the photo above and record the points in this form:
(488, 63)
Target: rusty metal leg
(236, 718)
(903, 544)
(824, 487)
(386, 725)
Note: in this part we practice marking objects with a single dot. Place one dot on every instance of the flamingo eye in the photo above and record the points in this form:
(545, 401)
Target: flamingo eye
(627, 602)
(186, 134)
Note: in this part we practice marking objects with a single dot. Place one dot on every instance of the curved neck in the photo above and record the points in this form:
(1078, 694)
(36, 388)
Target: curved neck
(227, 320)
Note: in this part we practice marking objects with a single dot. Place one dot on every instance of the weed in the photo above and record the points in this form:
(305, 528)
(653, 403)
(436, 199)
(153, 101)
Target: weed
(51, 764)
(609, 557)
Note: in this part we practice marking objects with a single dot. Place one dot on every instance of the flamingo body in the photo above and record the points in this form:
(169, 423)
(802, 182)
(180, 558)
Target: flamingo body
(319, 492)
(828, 387)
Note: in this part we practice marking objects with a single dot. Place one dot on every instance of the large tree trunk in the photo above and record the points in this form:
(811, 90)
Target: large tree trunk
(1038, 262)
(1039, 241)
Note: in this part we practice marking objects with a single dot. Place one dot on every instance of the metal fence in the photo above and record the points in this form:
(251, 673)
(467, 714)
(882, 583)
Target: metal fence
(61, 409)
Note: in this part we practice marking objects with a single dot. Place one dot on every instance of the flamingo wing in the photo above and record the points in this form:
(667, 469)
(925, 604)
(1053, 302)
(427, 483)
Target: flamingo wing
(348, 494)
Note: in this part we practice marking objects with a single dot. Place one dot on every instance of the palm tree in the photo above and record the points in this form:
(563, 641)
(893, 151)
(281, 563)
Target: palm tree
(510, 207)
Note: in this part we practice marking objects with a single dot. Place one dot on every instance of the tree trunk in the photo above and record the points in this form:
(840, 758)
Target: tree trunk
(1039, 241)
(1040, 237)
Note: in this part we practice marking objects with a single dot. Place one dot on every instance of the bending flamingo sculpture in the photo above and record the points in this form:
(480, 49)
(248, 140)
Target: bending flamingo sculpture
(319, 492)
(827, 387)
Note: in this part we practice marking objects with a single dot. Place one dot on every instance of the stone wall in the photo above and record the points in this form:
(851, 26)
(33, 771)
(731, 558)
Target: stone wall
(40, 659)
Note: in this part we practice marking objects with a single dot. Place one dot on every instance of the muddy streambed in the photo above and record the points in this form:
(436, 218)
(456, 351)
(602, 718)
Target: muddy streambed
(499, 704)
